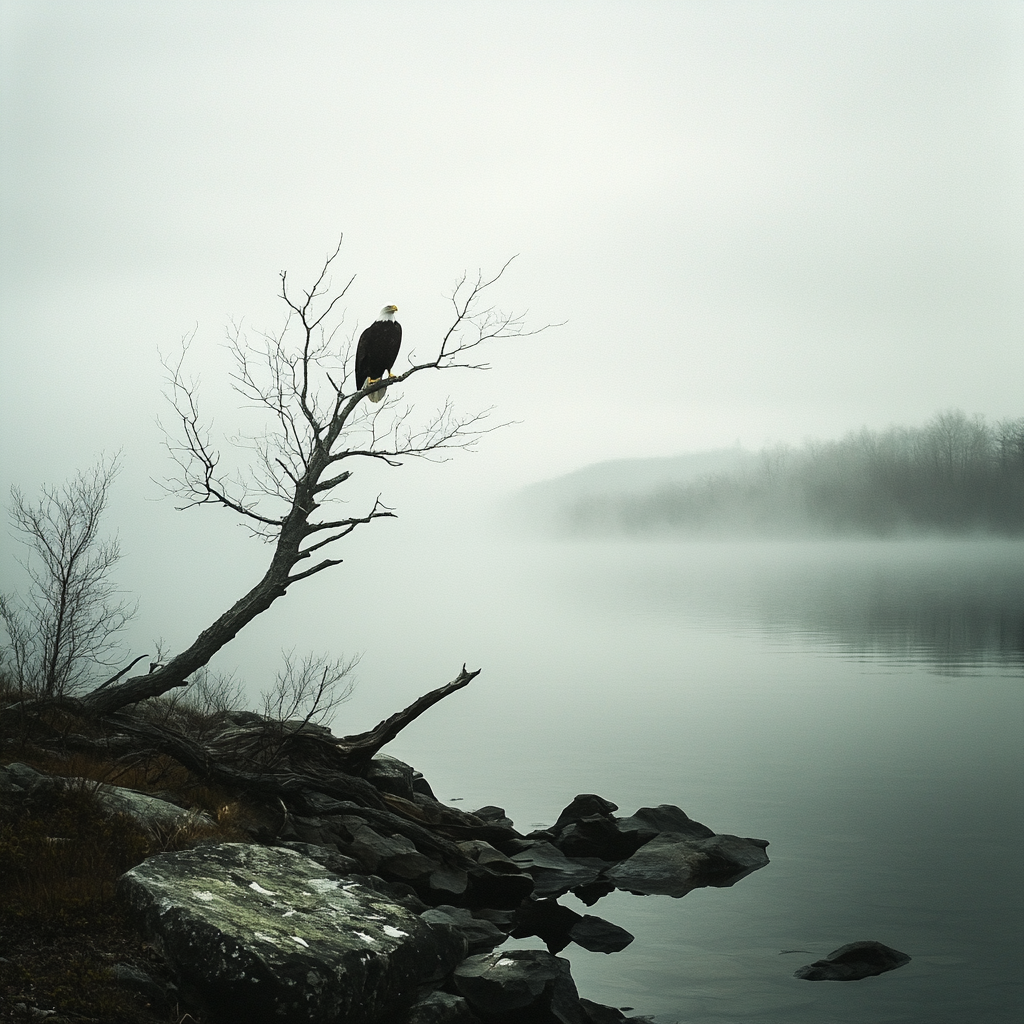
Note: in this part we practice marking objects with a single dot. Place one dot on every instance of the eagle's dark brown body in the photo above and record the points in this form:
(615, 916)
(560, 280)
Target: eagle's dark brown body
(377, 351)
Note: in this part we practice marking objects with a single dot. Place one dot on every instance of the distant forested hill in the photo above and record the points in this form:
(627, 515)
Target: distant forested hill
(955, 475)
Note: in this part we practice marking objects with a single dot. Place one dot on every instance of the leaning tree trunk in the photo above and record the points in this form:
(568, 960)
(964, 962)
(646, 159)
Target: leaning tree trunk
(287, 554)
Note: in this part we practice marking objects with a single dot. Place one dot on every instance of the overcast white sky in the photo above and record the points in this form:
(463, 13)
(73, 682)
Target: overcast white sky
(761, 221)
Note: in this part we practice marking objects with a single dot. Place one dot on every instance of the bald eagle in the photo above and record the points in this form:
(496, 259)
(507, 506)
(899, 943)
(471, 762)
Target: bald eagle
(377, 350)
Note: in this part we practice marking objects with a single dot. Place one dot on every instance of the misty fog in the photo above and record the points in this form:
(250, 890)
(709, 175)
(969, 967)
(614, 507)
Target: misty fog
(737, 548)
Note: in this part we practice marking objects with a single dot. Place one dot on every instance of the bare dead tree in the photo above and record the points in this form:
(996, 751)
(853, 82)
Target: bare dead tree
(68, 624)
(317, 424)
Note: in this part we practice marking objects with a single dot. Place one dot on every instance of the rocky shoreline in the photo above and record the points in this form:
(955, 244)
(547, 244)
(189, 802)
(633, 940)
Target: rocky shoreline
(349, 913)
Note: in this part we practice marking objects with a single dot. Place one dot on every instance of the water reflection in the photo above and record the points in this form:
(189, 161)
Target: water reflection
(954, 607)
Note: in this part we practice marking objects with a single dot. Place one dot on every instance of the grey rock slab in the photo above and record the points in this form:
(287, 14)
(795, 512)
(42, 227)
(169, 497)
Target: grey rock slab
(265, 934)
(481, 934)
(326, 856)
(520, 985)
(854, 961)
(553, 873)
(673, 865)
(389, 855)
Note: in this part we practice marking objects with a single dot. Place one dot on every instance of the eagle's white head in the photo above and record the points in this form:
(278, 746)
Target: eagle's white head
(388, 313)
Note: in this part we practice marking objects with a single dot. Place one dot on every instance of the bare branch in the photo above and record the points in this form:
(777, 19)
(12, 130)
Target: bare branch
(284, 474)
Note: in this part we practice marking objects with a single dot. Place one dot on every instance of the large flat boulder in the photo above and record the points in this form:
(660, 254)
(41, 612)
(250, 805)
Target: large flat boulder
(266, 934)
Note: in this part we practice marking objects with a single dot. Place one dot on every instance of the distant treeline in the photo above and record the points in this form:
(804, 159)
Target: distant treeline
(956, 474)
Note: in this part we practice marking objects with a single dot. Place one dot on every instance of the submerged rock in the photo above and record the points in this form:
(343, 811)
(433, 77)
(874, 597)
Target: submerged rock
(854, 961)
(265, 934)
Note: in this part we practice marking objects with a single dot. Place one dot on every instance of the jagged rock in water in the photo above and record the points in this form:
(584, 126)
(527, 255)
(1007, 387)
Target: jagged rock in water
(520, 986)
(854, 961)
(599, 935)
(587, 828)
(593, 891)
(673, 865)
(557, 926)
(583, 805)
(548, 920)
(265, 934)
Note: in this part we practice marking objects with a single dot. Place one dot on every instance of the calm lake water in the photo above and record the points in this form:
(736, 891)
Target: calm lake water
(860, 705)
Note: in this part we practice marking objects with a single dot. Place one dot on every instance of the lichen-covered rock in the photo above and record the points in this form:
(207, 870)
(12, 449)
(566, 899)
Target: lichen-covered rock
(673, 864)
(265, 934)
